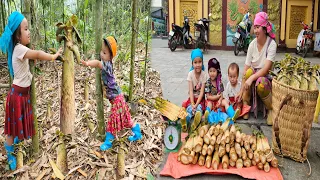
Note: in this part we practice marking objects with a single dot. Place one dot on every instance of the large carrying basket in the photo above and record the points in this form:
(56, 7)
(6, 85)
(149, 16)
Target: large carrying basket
(292, 116)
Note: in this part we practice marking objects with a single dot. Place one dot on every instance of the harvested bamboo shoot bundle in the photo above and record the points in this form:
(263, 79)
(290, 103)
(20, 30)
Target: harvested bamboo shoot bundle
(267, 149)
(210, 150)
(204, 149)
(191, 156)
(247, 163)
(208, 161)
(215, 160)
(239, 163)
(198, 143)
(202, 159)
(243, 154)
(225, 162)
(250, 154)
(195, 158)
(238, 149)
(203, 130)
(274, 162)
(227, 148)
(233, 154)
(232, 163)
(222, 150)
(213, 139)
(206, 138)
(266, 167)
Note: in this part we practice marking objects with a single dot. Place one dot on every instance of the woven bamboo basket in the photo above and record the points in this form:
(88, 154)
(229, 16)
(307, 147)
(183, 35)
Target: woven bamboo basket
(292, 117)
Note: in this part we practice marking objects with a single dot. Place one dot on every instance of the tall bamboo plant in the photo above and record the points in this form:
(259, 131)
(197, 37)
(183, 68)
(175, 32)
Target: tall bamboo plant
(35, 139)
(133, 46)
(99, 93)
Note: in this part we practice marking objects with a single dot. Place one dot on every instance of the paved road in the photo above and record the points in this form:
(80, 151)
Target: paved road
(174, 67)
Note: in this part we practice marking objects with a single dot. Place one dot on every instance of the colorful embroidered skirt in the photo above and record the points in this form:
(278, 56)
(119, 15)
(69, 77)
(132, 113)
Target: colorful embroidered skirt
(19, 116)
(120, 116)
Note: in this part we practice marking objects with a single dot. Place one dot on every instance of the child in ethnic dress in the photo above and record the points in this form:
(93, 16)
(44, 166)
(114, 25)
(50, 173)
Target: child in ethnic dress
(120, 116)
(19, 116)
(196, 82)
(213, 87)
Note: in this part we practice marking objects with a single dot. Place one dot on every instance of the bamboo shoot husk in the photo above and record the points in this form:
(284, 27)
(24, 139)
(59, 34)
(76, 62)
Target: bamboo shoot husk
(227, 148)
(189, 145)
(238, 149)
(218, 141)
(253, 162)
(243, 154)
(216, 131)
(256, 156)
(215, 160)
(191, 156)
(201, 161)
(233, 154)
(222, 150)
(232, 163)
(184, 158)
(233, 129)
(274, 162)
(203, 130)
(227, 136)
(195, 158)
(238, 137)
(206, 138)
(210, 150)
(211, 130)
(216, 147)
(260, 166)
(208, 161)
(213, 139)
(181, 150)
(198, 144)
(266, 167)
(247, 163)
(225, 162)
(263, 158)
(204, 149)
(239, 163)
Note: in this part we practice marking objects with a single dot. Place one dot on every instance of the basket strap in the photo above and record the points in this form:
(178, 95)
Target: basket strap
(284, 101)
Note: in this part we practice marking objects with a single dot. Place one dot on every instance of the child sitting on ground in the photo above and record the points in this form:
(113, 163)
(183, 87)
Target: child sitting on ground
(214, 87)
(230, 101)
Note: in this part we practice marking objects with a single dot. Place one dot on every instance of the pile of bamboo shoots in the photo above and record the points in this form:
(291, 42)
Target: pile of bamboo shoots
(296, 72)
(226, 145)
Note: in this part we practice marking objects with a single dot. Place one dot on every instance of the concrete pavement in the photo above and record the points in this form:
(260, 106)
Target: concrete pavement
(174, 67)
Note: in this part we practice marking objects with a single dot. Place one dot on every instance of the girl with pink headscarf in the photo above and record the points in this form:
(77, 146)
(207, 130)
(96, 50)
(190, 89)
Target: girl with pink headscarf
(260, 56)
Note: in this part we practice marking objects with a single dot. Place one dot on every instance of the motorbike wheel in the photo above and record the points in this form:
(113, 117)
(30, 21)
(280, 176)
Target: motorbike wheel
(173, 43)
(305, 50)
(236, 48)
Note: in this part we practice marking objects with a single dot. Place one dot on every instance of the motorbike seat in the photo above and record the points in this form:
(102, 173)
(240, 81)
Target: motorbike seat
(177, 27)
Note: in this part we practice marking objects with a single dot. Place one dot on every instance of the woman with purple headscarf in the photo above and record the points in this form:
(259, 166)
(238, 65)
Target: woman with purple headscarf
(260, 56)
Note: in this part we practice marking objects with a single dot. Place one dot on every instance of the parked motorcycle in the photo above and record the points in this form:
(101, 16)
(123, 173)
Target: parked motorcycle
(180, 35)
(304, 40)
(242, 36)
(201, 32)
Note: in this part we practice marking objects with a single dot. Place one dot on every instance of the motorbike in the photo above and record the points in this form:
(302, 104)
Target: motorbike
(201, 33)
(304, 40)
(180, 35)
(242, 37)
